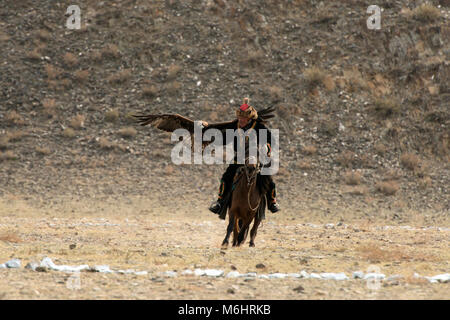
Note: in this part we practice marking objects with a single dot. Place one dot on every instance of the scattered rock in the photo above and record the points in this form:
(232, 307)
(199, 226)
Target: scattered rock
(374, 276)
(299, 289)
(392, 281)
(248, 275)
(41, 269)
(13, 264)
(232, 274)
(158, 279)
(103, 269)
(214, 273)
(304, 274)
(277, 276)
(128, 271)
(187, 272)
(49, 264)
(199, 272)
(442, 278)
(32, 266)
(334, 276)
(170, 274)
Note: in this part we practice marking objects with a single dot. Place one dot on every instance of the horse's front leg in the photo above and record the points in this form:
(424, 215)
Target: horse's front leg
(235, 231)
(253, 231)
(244, 231)
(229, 230)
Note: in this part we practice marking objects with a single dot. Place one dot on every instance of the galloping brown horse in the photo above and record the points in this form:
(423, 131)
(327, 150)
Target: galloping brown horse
(245, 202)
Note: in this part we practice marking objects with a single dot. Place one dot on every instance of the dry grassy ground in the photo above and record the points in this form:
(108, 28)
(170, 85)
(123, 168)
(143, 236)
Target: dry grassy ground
(364, 142)
(129, 235)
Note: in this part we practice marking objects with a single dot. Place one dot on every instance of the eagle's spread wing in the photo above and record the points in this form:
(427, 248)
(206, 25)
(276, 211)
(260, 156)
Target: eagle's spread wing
(222, 125)
(171, 122)
(266, 114)
(166, 122)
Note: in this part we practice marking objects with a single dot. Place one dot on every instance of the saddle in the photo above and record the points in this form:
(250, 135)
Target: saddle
(261, 211)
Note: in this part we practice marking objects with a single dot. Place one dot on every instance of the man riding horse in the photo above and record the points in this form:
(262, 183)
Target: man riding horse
(247, 119)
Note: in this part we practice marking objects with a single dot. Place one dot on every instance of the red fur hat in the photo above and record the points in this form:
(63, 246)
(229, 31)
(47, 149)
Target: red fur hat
(246, 110)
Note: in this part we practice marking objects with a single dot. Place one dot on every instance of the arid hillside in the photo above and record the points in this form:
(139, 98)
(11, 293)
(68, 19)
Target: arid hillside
(363, 114)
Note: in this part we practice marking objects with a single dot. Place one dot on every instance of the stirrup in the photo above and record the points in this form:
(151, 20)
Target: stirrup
(274, 207)
(215, 207)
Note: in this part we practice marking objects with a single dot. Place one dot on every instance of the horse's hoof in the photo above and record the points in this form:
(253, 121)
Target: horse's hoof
(252, 244)
(224, 245)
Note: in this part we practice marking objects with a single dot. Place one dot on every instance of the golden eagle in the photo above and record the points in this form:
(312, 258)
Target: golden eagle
(171, 122)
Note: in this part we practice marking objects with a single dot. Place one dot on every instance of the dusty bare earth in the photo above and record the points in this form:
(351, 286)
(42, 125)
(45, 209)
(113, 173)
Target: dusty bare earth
(364, 139)
(162, 239)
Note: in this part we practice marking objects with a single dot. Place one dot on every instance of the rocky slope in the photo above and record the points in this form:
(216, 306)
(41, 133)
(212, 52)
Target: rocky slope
(363, 114)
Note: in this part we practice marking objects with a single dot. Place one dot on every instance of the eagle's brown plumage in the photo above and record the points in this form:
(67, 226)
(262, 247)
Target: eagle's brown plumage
(171, 122)
(166, 122)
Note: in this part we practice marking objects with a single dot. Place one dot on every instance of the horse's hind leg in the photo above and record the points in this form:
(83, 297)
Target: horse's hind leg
(253, 231)
(229, 230)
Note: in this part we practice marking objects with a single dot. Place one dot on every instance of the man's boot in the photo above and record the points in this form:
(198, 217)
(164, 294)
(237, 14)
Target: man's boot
(274, 207)
(217, 205)
(272, 204)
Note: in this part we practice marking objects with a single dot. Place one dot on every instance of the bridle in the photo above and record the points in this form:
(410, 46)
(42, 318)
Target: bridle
(251, 180)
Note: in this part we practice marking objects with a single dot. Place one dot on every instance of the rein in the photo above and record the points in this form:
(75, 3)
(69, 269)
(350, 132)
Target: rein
(251, 180)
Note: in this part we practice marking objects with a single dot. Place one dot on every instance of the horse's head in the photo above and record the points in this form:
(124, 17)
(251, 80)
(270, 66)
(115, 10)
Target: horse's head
(251, 164)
